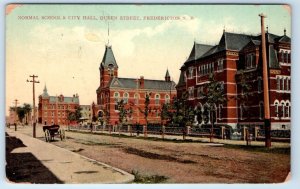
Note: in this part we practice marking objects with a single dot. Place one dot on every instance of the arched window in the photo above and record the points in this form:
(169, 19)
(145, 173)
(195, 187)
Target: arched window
(167, 98)
(125, 97)
(157, 97)
(261, 110)
(283, 84)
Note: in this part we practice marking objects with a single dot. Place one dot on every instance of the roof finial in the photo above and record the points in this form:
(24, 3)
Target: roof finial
(107, 33)
(284, 31)
(224, 29)
(267, 29)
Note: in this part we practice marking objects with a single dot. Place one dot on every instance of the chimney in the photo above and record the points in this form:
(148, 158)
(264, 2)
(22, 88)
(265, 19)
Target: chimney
(141, 82)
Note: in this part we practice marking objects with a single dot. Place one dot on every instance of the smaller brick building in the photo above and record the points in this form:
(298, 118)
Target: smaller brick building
(54, 109)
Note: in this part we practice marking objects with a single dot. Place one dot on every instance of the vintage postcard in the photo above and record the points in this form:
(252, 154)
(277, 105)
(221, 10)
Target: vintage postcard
(148, 93)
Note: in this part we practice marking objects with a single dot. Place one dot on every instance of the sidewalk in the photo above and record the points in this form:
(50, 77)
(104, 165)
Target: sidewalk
(66, 166)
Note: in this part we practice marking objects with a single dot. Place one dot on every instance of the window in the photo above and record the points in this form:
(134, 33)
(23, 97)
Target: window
(242, 107)
(116, 98)
(45, 114)
(287, 84)
(287, 109)
(125, 97)
(167, 98)
(190, 74)
(220, 111)
(286, 57)
(282, 56)
(212, 67)
(157, 97)
(259, 84)
(261, 110)
(191, 92)
(278, 83)
(276, 109)
(199, 91)
(282, 84)
(220, 65)
(282, 109)
(136, 98)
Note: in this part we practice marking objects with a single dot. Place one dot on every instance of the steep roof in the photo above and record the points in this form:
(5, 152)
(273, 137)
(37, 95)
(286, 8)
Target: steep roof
(130, 83)
(167, 73)
(283, 39)
(108, 57)
(45, 92)
(273, 61)
(181, 79)
(197, 51)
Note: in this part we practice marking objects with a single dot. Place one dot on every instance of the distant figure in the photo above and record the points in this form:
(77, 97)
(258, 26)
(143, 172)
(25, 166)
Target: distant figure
(91, 127)
(137, 129)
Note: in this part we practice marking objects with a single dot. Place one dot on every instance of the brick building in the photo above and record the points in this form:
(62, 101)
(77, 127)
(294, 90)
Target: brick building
(237, 58)
(54, 109)
(132, 90)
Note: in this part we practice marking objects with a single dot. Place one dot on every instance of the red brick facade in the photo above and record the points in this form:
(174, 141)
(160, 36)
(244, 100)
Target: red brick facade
(54, 109)
(132, 90)
(237, 56)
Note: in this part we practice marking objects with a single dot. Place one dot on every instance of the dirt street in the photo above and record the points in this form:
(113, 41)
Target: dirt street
(178, 162)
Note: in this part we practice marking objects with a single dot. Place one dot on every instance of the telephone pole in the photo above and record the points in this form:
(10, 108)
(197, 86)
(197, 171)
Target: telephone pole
(16, 114)
(266, 85)
(33, 81)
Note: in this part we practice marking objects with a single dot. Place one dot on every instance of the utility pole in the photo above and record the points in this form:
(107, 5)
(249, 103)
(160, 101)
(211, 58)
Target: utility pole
(16, 114)
(266, 85)
(33, 81)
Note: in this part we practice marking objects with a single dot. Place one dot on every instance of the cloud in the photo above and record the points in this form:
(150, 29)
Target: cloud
(11, 7)
(287, 8)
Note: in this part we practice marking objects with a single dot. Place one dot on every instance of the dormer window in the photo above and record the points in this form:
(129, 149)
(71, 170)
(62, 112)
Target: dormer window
(250, 61)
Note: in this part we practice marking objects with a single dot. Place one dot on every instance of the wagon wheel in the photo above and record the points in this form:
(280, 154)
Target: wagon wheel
(47, 135)
(62, 134)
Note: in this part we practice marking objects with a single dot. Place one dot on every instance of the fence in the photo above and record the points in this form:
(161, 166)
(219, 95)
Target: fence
(218, 132)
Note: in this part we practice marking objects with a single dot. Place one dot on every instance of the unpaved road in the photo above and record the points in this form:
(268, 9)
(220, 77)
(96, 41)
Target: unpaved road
(183, 162)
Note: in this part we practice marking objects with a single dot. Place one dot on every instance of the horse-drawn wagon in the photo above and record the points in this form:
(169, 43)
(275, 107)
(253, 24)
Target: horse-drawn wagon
(53, 130)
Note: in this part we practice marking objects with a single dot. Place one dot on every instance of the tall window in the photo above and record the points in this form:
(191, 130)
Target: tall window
(220, 111)
(282, 109)
(116, 98)
(190, 76)
(125, 97)
(286, 57)
(136, 98)
(261, 110)
(220, 65)
(276, 109)
(167, 98)
(157, 97)
(242, 107)
(191, 92)
(287, 109)
(278, 83)
(259, 84)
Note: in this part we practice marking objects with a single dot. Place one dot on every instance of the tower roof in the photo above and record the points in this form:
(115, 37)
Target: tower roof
(45, 92)
(109, 58)
(167, 73)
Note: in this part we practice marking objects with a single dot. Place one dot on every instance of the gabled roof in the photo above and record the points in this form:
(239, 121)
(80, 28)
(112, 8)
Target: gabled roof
(234, 41)
(197, 51)
(131, 83)
(181, 79)
(273, 61)
(109, 58)
(283, 39)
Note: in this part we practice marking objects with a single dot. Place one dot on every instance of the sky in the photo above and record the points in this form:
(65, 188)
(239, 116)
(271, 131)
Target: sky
(66, 52)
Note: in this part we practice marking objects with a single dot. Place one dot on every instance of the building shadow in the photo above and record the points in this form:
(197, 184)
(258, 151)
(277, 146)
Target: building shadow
(25, 167)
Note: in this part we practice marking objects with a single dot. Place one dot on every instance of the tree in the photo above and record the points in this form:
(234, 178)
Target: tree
(27, 110)
(74, 115)
(213, 96)
(245, 96)
(123, 111)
